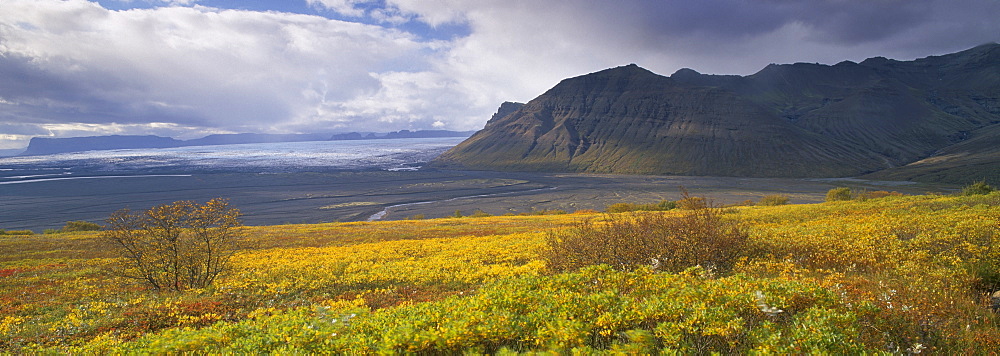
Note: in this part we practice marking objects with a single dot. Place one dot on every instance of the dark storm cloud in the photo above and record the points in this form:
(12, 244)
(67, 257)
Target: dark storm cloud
(862, 21)
(925, 26)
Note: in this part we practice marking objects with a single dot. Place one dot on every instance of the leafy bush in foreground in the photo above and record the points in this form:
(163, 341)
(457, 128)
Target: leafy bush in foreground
(175, 246)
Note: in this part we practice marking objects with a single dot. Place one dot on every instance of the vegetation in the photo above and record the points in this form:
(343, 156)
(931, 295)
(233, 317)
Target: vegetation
(17, 232)
(74, 226)
(878, 194)
(546, 212)
(839, 194)
(977, 188)
(899, 275)
(773, 200)
(174, 246)
(479, 214)
(663, 205)
(670, 243)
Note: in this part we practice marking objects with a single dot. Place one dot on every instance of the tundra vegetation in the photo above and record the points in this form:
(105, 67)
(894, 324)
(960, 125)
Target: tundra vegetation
(893, 274)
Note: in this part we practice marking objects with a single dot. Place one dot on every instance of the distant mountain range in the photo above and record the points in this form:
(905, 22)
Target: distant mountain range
(47, 145)
(932, 119)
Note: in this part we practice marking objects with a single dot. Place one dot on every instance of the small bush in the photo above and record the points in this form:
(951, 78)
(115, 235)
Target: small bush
(879, 194)
(80, 226)
(620, 208)
(417, 217)
(977, 188)
(457, 214)
(480, 214)
(629, 241)
(773, 200)
(838, 194)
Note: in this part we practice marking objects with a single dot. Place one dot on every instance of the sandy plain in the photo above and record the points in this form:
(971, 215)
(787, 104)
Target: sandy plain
(316, 197)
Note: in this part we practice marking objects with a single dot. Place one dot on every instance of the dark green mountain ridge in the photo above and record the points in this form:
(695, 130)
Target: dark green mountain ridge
(788, 120)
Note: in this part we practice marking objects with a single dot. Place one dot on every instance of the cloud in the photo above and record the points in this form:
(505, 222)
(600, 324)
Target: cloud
(195, 69)
(192, 66)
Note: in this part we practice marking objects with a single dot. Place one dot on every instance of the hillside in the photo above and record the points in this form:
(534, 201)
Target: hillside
(793, 120)
(974, 159)
(894, 274)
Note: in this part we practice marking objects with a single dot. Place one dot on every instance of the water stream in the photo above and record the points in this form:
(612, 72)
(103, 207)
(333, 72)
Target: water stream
(379, 215)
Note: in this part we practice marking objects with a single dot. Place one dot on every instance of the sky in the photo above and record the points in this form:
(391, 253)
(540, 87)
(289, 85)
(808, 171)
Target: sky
(190, 68)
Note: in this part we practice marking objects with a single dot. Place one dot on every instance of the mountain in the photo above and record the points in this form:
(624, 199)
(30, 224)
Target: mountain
(790, 120)
(975, 159)
(427, 134)
(47, 145)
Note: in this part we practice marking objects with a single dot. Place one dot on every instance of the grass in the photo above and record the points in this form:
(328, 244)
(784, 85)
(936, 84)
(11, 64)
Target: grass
(892, 274)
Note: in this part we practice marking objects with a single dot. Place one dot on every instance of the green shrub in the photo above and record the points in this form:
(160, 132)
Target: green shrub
(457, 214)
(663, 205)
(774, 200)
(480, 214)
(620, 208)
(80, 226)
(878, 194)
(977, 188)
(629, 241)
(838, 194)
(985, 274)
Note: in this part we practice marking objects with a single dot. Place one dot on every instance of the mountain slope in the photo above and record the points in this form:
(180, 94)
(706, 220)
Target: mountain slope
(975, 159)
(799, 120)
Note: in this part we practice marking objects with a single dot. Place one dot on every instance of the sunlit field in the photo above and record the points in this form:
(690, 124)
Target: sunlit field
(896, 274)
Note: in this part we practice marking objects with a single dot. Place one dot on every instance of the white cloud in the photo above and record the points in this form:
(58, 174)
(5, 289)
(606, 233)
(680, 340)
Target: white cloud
(193, 66)
(78, 129)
